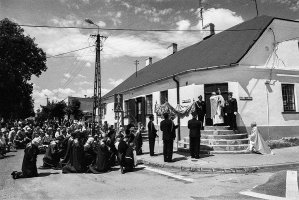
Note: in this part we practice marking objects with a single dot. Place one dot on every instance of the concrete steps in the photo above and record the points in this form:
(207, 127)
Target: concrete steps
(144, 136)
(224, 142)
(216, 127)
(218, 132)
(225, 137)
(219, 140)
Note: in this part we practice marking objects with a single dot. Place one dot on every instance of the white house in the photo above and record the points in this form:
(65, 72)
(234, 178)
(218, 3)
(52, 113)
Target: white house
(257, 60)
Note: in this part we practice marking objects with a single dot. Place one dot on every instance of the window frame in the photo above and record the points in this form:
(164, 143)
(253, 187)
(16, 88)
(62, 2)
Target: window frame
(165, 100)
(149, 106)
(126, 108)
(290, 102)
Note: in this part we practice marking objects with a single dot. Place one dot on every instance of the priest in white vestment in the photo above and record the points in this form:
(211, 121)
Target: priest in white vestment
(256, 142)
(217, 104)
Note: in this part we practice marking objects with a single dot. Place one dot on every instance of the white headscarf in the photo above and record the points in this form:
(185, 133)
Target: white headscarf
(36, 141)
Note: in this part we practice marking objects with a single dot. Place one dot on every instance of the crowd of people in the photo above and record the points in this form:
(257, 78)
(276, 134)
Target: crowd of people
(72, 147)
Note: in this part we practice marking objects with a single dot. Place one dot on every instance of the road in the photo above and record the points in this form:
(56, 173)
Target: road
(143, 183)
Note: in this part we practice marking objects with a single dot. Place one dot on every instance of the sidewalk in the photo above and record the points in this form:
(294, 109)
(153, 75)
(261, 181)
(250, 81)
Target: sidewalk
(225, 163)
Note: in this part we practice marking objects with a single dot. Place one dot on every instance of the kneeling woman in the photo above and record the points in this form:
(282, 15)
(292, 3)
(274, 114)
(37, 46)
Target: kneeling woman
(102, 163)
(29, 168)
(125, 156)
(76, 163)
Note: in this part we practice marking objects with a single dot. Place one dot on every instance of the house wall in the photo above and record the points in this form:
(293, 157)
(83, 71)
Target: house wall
(243, 81)
(247, 79)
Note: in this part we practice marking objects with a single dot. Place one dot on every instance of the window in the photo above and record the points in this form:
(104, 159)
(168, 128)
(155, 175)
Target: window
(126, 110)
(288, 97)
(149, 104)
(163, 97)
(105, 108)
(139, 108)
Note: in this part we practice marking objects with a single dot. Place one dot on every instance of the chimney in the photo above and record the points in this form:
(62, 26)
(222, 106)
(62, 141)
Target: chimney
(212, 30)
(173, 49)
(148, 61)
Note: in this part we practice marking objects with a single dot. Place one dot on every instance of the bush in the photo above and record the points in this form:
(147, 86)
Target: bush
(283, 142)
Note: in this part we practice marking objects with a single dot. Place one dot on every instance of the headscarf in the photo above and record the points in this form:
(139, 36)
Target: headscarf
(36, 141)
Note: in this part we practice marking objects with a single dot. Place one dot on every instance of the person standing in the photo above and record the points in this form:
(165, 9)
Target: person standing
(217, 104)
(152, 134)
(200, 108)
(194, 126)
(231, 110)
(167, 127)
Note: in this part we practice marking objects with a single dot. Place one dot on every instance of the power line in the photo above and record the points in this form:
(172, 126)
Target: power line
(70, 51)
(132, 29)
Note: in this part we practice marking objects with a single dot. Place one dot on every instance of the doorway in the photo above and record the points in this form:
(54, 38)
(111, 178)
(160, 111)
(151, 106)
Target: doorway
(208, 89)
(140, 110)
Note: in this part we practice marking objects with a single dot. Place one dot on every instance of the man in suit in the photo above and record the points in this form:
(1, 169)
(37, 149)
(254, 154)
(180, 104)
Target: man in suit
(152, 134)
(200, 107)
(194, 136)
(231, 110)
(167, 127)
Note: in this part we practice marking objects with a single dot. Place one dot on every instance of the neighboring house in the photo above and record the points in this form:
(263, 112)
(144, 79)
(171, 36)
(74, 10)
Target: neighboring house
(86, 105)
(245, 59)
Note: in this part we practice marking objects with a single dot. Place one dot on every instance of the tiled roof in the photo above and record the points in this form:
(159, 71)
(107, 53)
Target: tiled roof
(225, 48)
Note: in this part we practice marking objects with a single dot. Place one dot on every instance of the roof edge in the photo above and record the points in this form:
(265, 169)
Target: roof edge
(274, 18)
(256, 40)
(180, 73)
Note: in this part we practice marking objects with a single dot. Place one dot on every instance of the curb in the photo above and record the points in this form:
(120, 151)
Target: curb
(211, 170)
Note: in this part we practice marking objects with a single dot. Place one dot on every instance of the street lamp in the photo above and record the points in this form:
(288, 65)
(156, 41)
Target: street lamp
(92, 23)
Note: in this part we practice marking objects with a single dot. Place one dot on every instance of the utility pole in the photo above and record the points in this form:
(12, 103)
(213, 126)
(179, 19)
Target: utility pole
(257, 11)
(201, 12)
(97, 90)
(136, 63)
(47, 99)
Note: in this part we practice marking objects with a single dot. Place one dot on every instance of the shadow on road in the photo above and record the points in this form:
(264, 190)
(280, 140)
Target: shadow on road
(7, 156)
(136, 169)
(43, 174)
(178, 159)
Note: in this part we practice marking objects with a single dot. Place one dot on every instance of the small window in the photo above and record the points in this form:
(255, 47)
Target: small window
(288, 97)
(105, 108)
(149, 104)
(126, 110)
(139, 108)
(163, 97)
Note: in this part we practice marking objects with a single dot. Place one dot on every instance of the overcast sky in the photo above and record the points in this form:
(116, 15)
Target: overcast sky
(72, 74)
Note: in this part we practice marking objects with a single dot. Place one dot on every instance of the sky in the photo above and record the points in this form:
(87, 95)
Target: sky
(72, 74)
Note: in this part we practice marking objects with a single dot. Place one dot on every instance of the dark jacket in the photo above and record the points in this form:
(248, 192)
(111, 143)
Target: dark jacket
(194, 125)
(29, 168)
(231, 106)
(152, 132)
(168, 128)
(200, 108)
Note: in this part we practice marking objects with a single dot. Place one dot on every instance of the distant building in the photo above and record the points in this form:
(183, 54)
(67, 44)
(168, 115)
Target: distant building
(245, 60)
(86, 105)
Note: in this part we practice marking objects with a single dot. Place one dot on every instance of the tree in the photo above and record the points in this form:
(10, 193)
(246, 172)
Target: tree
(52, 110)
(20, 58)
(74, 109)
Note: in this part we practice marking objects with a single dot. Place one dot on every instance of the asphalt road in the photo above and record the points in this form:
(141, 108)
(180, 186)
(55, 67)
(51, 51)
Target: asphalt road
(143, 183)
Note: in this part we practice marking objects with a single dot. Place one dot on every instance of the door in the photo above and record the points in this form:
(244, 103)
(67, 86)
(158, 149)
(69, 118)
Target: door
(140, 108)
(208, 89)
(132, 111)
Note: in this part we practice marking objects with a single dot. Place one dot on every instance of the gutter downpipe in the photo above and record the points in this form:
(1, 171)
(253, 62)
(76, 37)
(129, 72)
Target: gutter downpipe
(178, 102)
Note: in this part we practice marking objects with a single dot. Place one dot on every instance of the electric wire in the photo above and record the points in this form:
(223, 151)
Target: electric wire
(70, 51)
(133, 29)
